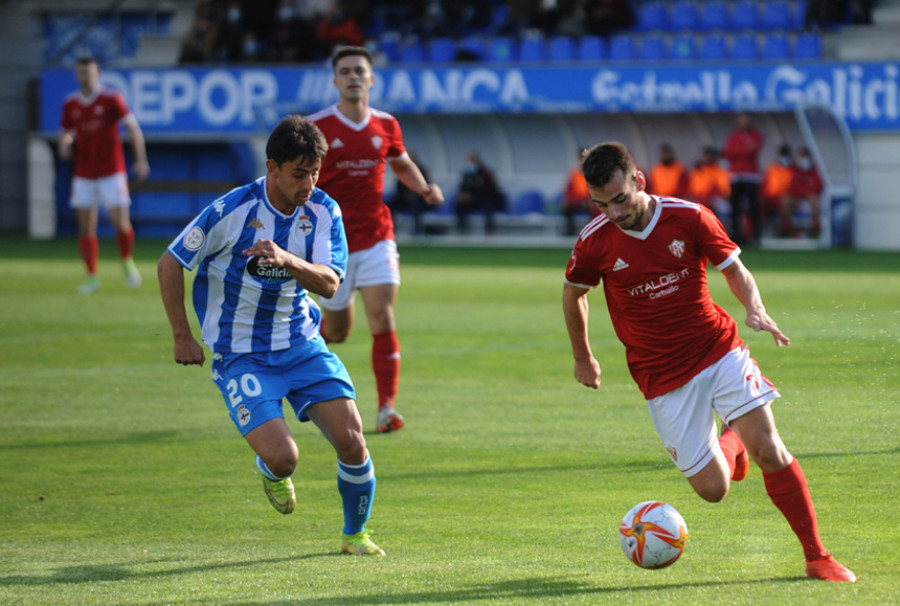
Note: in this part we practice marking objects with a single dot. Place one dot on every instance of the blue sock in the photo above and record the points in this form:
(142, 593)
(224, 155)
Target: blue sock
(356, 483)
(264, 469)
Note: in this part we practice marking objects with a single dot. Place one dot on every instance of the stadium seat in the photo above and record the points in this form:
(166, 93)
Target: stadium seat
(683, 47)
(684, 16)
(652, 16)
(776, 46)
(442, 50)
(561, 48)
(798, 14)
(472, 48)
(713, 48)
(411, 51)
(390, 45)
(808, 46)
(745, 46)
(592, 48)
(714, 16)
(653, 48)
(531, 201)
(745, 15)
(532, 49)
(776, 15)
(621, 48)
(501, 49)
(499, 14)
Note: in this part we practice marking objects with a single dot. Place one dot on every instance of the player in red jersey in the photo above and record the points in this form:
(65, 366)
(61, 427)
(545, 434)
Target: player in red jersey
(90, 122)
(682, 349)
(361, 140)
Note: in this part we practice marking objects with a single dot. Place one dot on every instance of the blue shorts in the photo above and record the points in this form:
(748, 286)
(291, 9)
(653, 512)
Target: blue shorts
(254, 384)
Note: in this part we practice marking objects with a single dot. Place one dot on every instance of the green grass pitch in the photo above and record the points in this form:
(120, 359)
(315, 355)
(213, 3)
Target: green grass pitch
(122, 481)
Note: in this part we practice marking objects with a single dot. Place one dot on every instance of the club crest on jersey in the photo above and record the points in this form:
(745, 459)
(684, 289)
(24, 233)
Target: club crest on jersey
(304, 225)
(376, 141)
(243, 415)
(267, 273)
(336, 144)
(194, 239)
(677, 248)
(255, 223)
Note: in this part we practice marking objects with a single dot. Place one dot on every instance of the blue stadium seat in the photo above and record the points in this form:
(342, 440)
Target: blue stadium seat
(411, 51)
(776, 46)
(621, 48)
(498, 16)
(390, 45)
(776, 15)
(745, 15)
(531, 201)
(561, 48)
(745, 46)
(532, 49)
(713, 48)
(441, 50)
(798, 14)
(683, 47)
(473, 46)
(592, 48)
(714, 16)
(653, 48)
(684, 16)
(652, 16)
(502, 48)
(808, 46)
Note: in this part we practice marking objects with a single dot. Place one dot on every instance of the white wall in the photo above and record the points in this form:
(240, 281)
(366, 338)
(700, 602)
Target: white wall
(877, 202)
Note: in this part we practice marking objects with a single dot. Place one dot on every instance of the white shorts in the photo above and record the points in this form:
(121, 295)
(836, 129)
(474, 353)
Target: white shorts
(112, 191)
(370, 267)
(684, 417)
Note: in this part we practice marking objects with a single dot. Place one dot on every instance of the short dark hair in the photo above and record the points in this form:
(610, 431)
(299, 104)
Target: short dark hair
(86, 60)
(351, 51)
(294, 137)
(600, 163)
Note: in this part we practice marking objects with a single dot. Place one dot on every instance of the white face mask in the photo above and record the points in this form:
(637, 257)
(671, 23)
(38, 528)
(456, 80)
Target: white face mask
(805, 163)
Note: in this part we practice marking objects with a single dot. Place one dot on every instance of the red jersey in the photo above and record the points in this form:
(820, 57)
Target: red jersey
(656, 291)
(805, 183)
(95, 121)
(742, 152)
(353, 171)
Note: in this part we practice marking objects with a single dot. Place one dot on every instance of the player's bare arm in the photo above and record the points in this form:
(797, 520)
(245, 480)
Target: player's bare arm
(171, 285)
(140, 166)
(575, 309)
(318, 279)
(64, 146)
(410, 175)
(744, 287)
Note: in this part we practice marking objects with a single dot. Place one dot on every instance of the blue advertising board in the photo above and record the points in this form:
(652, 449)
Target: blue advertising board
(234, 101)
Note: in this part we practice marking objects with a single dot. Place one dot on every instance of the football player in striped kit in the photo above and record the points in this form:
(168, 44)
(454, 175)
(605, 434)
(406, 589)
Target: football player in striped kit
(259, 251)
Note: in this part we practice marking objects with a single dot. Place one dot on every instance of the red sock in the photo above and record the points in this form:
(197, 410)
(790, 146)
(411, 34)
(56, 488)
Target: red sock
(788, 490)
(322, 331)
(89, 247)
(125, 240)
(386, 364)
(731, 446)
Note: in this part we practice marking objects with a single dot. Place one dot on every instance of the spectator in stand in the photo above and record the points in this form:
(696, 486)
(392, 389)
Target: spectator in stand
(668, 177)
(806, 185)
(228, 47)
(606, 17)
(292, 38)
(198, 43)
(709, 183)
(776, 182)
(742, 153)
(576, 198)
(405, 200)
(478, 190)
(338, 28)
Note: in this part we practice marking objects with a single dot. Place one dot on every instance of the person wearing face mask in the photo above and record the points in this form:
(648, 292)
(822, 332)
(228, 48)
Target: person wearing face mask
(229, 44)
(776, 181)
(291, 37)
(806, 185)
(668, 177)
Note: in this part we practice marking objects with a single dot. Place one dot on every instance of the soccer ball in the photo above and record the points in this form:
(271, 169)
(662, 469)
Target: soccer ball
(653, 534)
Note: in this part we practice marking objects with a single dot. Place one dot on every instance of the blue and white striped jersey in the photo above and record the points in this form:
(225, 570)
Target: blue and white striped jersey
(245, 307)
